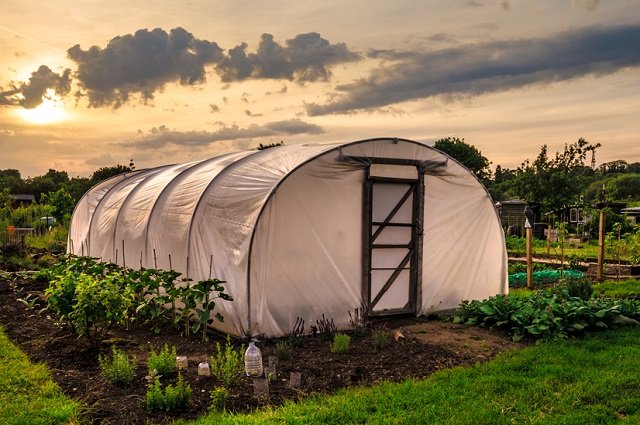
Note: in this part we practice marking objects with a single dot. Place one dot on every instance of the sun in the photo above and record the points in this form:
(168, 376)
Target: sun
(50, 111)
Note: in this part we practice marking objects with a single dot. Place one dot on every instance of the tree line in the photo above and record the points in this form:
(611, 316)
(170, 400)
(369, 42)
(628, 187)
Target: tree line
(551, 182)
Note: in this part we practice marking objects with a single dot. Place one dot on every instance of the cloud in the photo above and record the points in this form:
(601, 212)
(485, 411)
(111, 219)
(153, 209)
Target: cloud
(306, 57)
(100, 160)
(213, 108)
(30, 94)
(473, 3)
(162, 135)
(474, 70)
(586, 5)
(142, 63)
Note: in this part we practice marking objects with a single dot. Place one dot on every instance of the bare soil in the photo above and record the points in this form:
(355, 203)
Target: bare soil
(420, 348)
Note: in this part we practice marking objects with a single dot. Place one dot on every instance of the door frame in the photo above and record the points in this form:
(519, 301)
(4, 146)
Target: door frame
(415, 262)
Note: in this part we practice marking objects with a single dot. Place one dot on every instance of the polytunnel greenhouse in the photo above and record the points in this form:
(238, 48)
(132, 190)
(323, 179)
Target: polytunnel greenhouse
(389, 225)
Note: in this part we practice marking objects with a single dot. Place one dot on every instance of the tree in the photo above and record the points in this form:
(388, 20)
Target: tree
(612, 167)
(107, 172)
(62, 204)
(10, 179)
(77, 186)
(468, 155)
(262, 147)
(552, 183)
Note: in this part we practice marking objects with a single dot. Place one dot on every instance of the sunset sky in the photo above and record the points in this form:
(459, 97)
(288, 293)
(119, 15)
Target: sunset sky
(86, 84)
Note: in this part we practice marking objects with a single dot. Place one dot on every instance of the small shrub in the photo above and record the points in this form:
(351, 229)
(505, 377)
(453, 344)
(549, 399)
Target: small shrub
(90, 306)
(219, 397)
(380, 339)
(326, 328)
(579, 288)
(177, 397)
(228, 364)
(340, 343)
(164, 362)
(155, 396)
(119, 369)
(283, 350)
(173, 397)
(296, 333)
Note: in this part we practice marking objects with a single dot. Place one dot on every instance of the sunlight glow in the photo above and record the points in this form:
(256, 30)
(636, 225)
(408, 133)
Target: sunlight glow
(49, 111)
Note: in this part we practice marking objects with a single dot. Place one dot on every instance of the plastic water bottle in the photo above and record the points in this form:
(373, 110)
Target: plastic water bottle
(253, 360)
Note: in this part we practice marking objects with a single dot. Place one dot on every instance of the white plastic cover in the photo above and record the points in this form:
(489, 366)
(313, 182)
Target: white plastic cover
(284, 228)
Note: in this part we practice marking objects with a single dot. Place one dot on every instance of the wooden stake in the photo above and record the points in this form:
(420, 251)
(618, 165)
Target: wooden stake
(124, 264)
(210, 265)
(599, 276)
(170, 266)
(140, 260)
(529, 234)
(155, 259)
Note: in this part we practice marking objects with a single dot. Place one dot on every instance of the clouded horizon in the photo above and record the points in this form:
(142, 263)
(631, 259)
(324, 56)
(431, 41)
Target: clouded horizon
(84, 87)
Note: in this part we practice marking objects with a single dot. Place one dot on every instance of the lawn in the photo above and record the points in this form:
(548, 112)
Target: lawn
(27, 393)
(593, 380)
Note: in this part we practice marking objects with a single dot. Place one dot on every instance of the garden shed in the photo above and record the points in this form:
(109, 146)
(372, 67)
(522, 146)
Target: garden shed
(390, 225)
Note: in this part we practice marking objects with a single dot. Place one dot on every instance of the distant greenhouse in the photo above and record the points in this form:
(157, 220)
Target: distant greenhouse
(390, 225)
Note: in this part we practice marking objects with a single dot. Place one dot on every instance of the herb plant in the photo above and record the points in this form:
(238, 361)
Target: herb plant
(119, 369)
(340, 343)
(163, 362)
(219, 397)
(174, 397)
(227, 364)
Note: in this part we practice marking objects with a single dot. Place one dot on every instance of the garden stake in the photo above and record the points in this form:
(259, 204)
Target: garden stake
(600, 246)
(124, 264)
(155, 259)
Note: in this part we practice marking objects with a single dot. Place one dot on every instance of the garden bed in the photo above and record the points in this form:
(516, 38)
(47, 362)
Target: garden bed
(422, 348)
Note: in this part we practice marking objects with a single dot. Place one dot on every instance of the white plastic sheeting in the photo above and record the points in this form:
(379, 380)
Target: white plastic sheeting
(284, 228)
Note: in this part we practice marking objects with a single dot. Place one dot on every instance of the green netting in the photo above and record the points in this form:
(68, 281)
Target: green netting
(543, 276)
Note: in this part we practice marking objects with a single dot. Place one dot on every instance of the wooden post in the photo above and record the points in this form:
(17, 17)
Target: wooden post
(599, 275)
(529, 234)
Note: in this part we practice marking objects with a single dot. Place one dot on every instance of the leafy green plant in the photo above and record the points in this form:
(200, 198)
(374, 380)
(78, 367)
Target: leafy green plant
(205, 303)
(119, 369)
(227, 364)
(148, 286)
(173, 397)
(547, 314)
(163, 362)
(618, 289)
(88, 305)
(380, 339)
(219, 397)
(61, 296)
(99, 305)
(283, 350)
(340, 343)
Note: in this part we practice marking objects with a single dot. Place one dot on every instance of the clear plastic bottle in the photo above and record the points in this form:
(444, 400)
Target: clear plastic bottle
(253, 360)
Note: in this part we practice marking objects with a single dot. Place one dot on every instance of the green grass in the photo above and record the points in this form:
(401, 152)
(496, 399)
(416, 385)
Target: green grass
(27, 394)
(594, 380)
(618, 289)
